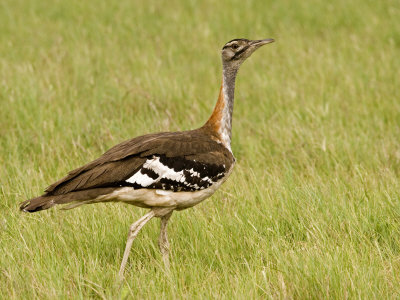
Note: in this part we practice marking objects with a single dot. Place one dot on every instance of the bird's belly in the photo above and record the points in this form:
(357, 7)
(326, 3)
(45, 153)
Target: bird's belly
(189, 199)
(160, 198)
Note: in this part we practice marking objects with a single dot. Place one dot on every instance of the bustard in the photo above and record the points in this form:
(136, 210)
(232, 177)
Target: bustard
(164, 171)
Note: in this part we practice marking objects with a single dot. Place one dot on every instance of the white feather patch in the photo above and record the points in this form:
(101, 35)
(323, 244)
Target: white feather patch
(207, 179)
(194, 173)
(164, 171)
(141, 179)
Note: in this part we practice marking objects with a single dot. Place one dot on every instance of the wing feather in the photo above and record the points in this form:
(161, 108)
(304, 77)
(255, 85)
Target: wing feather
(179, 151)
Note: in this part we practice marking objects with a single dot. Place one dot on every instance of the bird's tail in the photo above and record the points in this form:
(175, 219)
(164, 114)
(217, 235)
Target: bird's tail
(74, 199)
(38, 203)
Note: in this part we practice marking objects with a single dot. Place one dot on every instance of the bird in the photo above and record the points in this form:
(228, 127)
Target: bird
(163, 172)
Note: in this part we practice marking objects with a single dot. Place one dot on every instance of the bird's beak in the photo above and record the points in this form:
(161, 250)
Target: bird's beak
(259, 43)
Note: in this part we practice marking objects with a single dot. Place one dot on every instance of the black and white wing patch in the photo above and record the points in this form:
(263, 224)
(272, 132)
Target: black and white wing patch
(176, 174)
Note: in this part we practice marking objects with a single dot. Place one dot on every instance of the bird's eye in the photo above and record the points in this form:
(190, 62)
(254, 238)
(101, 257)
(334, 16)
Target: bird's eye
(235, 46)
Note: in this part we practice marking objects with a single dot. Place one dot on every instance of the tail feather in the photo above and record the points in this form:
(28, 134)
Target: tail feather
(37, 204)
(47, 200)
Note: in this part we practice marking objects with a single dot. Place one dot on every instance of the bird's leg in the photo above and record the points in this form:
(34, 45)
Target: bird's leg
(133, 232)
(163, 239)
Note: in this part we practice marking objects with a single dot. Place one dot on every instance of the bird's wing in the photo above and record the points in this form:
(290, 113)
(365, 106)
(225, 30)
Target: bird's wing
(179, 161)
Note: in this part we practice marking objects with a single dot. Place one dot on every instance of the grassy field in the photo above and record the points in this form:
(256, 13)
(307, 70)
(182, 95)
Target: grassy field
(312, 209)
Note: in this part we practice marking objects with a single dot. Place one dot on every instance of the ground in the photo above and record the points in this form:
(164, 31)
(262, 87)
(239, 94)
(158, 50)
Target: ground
(312, 208)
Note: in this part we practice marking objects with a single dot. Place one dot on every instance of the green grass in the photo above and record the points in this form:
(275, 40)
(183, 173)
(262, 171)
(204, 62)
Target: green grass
(312, 209)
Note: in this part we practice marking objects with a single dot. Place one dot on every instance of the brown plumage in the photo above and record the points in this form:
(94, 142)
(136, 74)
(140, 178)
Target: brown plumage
(134, 151)
(102, 176)
(164, 171)
(214, 122)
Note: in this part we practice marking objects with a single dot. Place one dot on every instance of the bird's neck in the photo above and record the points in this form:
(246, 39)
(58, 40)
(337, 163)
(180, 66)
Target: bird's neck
(220, 121)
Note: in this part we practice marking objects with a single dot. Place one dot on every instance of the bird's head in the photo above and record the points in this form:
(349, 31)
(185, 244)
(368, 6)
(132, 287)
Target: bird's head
(235, 52)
